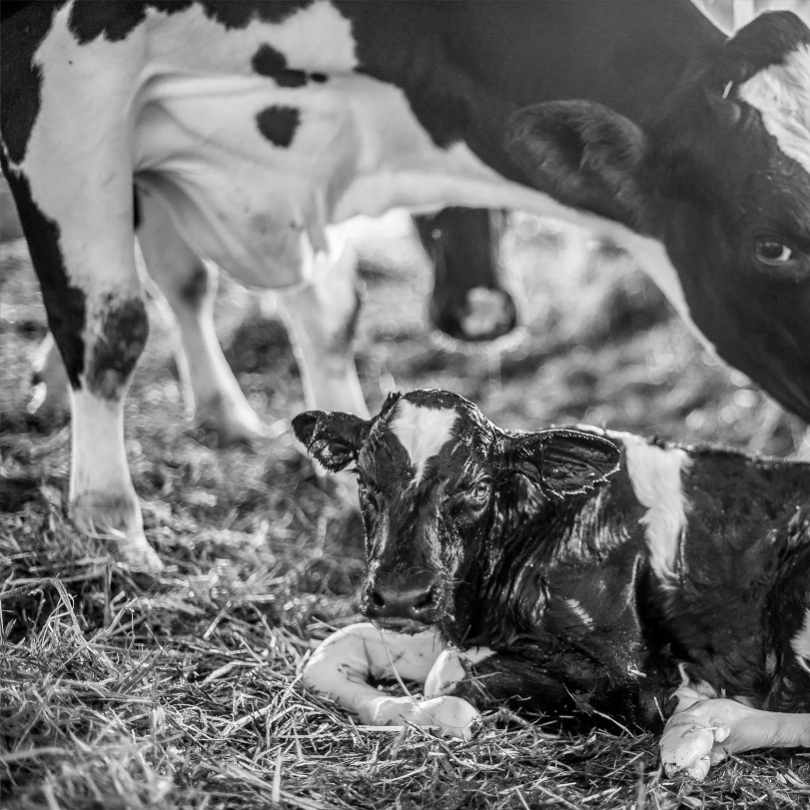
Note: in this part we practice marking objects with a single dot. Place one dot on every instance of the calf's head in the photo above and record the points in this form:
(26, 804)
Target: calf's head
(434, 477)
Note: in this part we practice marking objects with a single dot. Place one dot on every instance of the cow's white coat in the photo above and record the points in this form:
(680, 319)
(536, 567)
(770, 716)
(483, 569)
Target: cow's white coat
(801, 642)
(422, 432)
(655, 474)
(781, 93)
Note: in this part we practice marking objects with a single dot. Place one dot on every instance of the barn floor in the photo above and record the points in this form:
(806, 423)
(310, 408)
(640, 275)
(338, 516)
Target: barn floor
(118, 692)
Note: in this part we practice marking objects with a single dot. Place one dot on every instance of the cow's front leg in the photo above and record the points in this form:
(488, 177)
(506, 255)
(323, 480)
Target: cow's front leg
(74, 196)
(189, 286)
(708, 731)
(345, 663)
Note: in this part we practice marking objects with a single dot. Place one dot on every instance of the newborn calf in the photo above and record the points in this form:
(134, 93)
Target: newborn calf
(572, 571)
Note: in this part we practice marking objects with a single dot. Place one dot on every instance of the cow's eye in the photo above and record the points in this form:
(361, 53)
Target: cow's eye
(772, 252)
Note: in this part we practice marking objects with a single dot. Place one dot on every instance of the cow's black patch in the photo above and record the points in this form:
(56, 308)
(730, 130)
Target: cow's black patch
(136, 209)
(64, 304)
(267, 61)
(239, 15)
(122, 336)
(21, 80)
(90, 19)
(196, 287)
(278, 124)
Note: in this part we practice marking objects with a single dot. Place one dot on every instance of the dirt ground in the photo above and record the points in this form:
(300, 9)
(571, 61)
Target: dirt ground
(184, 691)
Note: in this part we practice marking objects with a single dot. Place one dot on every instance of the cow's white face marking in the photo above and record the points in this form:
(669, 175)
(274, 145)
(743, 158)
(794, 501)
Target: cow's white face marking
(655, 474)
(801, 643)
(781, 93)
(422, 432)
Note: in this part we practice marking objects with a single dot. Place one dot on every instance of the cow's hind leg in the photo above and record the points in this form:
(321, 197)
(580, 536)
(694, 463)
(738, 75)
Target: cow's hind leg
(189, 286)
(321, 316)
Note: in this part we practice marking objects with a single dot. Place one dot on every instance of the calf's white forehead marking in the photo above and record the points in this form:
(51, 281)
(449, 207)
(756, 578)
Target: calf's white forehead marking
(422, 432)
(655, 474)
(781, 93)
(801, 641)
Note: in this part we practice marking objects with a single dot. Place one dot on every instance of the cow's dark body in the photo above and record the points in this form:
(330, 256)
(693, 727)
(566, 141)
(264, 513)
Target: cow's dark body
(588, 599)
(192, 102)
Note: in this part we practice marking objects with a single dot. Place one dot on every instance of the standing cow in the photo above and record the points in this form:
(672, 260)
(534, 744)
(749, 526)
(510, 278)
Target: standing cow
(572, 572)
(248, 128)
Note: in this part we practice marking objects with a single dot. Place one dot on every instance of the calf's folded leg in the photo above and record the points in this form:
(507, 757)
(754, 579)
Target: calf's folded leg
(343, 664)
(708, 731)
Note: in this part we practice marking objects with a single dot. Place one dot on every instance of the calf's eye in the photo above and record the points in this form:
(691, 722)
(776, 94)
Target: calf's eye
(479, 493)
(773, 252)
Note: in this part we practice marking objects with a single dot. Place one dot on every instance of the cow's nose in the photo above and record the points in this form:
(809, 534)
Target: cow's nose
(391, 602)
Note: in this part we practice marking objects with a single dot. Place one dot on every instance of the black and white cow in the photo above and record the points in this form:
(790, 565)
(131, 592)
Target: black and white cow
(572, 571)
(248, 128)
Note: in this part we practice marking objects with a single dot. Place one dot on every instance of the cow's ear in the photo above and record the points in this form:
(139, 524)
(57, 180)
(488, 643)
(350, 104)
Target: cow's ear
(333, 438)
(584, 154)
(563, 462)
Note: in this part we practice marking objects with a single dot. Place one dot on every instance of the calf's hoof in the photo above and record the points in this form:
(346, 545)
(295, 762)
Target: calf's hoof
(449, 716)
(120, 528)
(692, 742)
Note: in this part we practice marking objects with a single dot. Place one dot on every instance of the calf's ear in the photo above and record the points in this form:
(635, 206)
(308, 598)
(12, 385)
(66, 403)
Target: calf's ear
(582, 153)
(564, 462)
(331, 437)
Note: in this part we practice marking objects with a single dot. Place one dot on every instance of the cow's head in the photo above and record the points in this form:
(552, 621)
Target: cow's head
(718, 178)
(470, 301)
(435, 477)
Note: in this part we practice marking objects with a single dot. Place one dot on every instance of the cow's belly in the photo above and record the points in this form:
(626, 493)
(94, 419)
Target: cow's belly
(255, 173)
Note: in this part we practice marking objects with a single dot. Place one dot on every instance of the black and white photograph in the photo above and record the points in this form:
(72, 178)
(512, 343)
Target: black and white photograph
(405, 404)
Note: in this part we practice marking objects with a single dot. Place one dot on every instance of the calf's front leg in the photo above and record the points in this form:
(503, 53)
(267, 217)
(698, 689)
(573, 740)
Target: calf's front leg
(709, 730)
(342, 666)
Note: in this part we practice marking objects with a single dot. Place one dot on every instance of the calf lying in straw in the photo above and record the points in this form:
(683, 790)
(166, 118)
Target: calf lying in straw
(575, 572)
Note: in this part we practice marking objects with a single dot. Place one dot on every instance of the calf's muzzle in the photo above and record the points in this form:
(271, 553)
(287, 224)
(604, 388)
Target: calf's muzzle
(412, 600)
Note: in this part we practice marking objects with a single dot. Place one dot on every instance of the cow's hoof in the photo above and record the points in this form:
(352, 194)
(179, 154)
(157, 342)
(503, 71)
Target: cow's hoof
(691, 746)
(448, 716)
(120, 528)
(222, 423)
